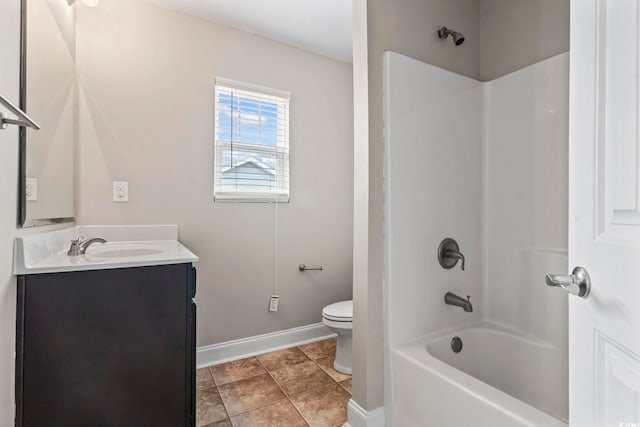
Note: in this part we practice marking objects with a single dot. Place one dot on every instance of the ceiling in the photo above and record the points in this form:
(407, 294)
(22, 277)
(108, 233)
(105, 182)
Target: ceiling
(321, 26)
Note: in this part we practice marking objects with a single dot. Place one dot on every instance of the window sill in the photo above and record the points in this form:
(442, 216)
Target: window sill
(250, 198)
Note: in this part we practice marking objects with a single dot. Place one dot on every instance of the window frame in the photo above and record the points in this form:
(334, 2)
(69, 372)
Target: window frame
(282, 147)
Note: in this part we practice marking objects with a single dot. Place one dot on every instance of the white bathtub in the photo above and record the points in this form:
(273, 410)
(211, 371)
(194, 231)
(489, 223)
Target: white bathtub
(498, 379)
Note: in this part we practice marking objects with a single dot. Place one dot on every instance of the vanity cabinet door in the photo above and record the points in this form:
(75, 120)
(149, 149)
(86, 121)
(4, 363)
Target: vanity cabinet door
(107, 348)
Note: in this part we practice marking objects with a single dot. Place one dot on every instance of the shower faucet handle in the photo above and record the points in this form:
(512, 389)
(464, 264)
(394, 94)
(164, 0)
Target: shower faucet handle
(449, 254)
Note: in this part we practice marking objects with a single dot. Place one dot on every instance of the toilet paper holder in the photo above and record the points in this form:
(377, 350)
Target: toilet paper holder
(303, 267)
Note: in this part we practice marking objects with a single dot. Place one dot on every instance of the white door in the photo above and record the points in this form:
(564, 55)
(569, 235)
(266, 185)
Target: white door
(604, 213)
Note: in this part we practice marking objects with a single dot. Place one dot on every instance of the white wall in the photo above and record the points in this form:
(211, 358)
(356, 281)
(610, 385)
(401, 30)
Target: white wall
(526, 207)
(51, 97)
(486, 164)
(367, 339)
(433, 146)
(9, 87)
(526, 202)
(433, 158)
(146, 116)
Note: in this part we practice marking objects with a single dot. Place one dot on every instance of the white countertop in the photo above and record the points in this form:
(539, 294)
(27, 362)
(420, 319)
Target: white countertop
(127, 246)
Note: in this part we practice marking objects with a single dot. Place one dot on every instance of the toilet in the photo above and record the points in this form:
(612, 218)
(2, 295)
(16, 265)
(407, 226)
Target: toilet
(339, 318)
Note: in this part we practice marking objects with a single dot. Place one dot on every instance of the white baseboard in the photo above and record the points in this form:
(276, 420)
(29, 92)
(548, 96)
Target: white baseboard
(359, 417)
(246, 347)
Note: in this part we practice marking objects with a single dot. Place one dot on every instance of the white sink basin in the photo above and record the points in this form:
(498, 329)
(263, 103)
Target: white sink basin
(127, 246)
(122, 250)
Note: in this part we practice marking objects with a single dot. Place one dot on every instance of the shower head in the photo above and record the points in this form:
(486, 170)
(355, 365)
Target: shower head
(444, 32)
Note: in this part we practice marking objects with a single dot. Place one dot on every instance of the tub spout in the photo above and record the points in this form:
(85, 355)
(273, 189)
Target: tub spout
(453, 299)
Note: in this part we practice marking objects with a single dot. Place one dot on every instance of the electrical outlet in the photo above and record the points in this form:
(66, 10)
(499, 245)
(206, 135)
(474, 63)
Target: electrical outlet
(120, 191)
(273, 303)
(31, 190)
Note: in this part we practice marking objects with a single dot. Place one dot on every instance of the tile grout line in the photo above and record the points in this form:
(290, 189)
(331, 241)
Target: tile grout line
(258, 408)
(308, 391)
(318, 365)
(329, 385)
(313, 389)
(253, 409)
(334, 380)
(224, 405)
(325, 371)
(309, 360)
(287, 397)
(321, 387)
(345, 389)
(229, 382)
(282, 389)
(266, 371)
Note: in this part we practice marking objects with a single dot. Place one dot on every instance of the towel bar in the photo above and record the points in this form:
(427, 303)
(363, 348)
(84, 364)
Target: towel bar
(24, 119)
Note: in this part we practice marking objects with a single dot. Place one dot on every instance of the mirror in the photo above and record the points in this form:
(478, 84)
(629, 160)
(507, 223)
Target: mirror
(48, 92)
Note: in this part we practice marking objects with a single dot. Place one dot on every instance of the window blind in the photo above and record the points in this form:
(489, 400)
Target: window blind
(251, 143)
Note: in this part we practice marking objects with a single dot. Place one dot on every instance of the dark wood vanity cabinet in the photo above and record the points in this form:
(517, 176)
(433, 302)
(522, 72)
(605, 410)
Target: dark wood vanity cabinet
(107, 348)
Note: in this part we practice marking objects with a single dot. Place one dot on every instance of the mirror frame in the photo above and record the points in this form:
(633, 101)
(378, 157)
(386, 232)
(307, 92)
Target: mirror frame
(22, 164)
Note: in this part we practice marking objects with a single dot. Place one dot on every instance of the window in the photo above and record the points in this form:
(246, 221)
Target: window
(251, 143)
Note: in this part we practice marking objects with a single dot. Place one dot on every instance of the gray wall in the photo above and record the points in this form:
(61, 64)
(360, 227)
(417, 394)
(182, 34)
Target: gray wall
(146, 116)
(409, 27)
(9, 86)
(518, 33)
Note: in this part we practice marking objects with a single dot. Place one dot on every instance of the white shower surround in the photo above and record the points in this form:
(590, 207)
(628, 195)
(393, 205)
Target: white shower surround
(486, 164)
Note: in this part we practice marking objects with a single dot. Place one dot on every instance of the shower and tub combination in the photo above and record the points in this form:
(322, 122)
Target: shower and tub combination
(483, 163)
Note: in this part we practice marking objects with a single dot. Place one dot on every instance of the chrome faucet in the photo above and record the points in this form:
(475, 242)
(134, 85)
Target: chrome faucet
(79, 246)
(453, 299)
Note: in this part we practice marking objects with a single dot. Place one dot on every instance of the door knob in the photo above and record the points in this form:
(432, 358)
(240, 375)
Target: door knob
(578, 283)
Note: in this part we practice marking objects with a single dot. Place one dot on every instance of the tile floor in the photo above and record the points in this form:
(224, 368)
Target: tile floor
(293, 387)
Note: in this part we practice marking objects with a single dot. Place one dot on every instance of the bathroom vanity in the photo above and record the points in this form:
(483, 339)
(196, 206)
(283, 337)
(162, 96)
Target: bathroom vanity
(106, 338)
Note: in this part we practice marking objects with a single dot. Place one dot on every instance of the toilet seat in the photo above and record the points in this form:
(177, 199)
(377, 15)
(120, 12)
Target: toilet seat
(341, 312)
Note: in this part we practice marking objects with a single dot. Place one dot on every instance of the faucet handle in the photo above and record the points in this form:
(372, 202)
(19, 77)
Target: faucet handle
(449, 254)
(74, 249)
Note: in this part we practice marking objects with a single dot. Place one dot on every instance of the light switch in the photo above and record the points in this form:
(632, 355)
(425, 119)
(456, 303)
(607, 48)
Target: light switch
(31, 190)
(120, 191)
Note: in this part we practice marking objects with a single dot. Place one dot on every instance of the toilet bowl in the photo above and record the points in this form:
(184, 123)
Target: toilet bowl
(339, 318)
